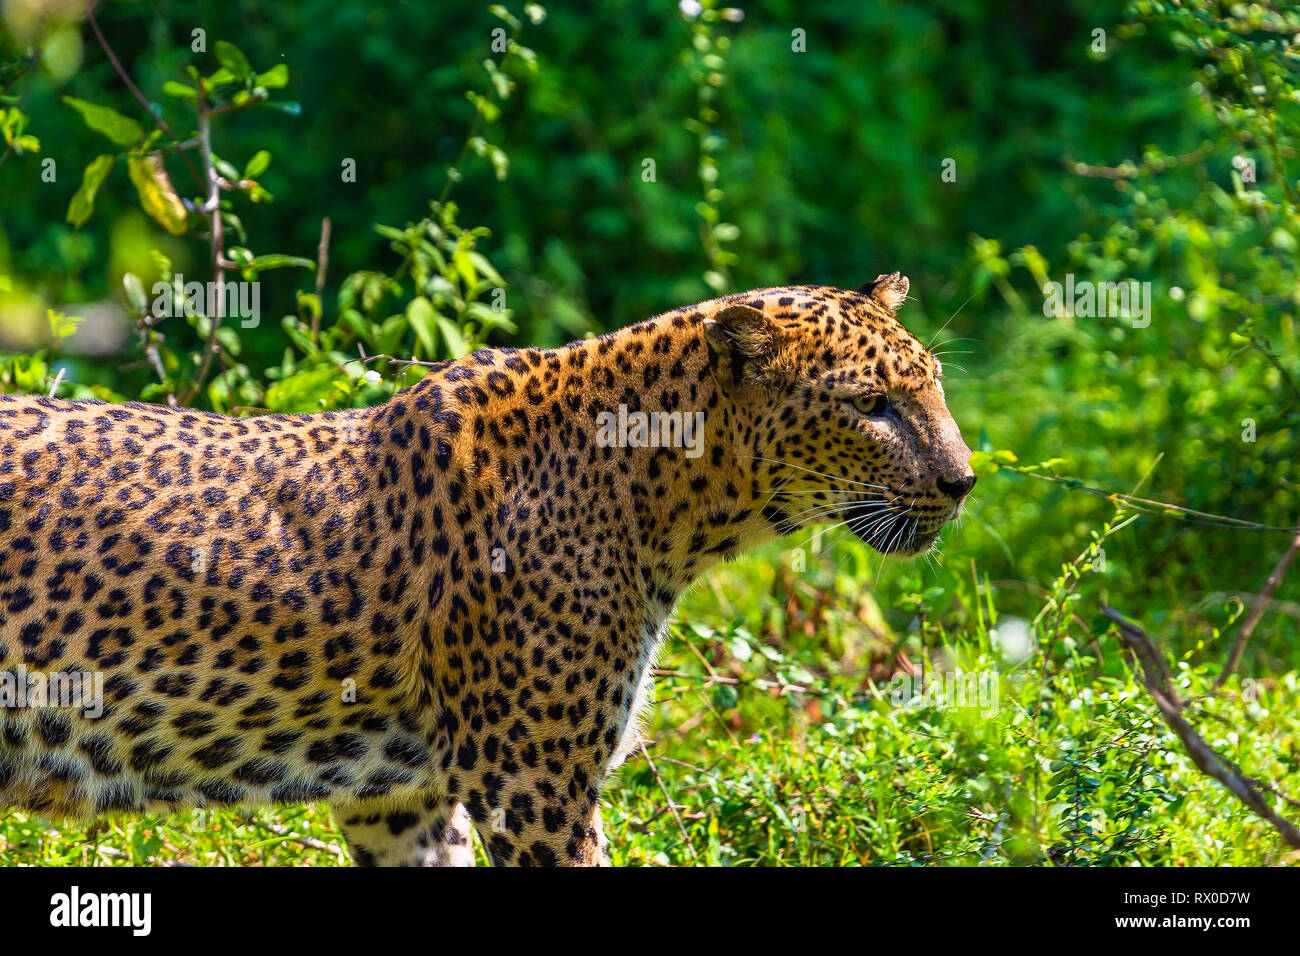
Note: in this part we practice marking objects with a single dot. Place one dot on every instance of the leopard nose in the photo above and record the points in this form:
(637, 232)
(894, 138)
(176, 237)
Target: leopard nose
(957, 490)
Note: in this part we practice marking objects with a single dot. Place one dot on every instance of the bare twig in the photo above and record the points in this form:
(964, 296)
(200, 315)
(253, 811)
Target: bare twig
(671, 805)
(1130, 170)
(399, 363)
(213, 208)
(116, 854)
(281, 830)
(761, 683)
(1276, 605)
(322, 264)
(1148, 506)
(1257, 611)
(155, 361)
(1156, 677)
(140, 97)
(1265, 111)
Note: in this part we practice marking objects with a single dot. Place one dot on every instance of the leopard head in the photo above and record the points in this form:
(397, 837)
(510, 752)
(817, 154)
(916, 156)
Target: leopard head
(839, 413)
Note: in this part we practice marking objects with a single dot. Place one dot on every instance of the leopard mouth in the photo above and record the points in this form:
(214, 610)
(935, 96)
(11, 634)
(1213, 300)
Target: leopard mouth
(894, 527)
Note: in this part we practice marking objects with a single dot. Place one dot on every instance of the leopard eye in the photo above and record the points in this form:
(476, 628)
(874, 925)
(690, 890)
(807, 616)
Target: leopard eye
(872, 404)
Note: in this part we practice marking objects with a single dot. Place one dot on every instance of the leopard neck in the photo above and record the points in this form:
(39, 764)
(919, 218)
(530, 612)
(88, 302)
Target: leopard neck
(629, 431)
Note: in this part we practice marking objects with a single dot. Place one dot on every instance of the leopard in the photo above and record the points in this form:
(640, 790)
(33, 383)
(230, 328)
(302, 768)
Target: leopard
(439, 615)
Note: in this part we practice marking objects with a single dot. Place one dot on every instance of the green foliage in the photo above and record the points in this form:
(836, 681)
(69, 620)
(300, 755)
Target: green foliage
(328, 363)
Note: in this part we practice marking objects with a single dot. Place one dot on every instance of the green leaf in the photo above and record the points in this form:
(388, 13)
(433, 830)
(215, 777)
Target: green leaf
(180, 90)
(486, 108)
(391, 333)
(497, 10)
(61, 324)
(82, 204)
(225, 169)
(233, 59)
(134, 289)
(982, 464)
(230, 340)
(489, 318)
(465, 267)
(221, 77)
(310, 390)
(120, 129)
(297, 336)
(31, 374)
(276, 261)
(357, 323)
(485, 268)
(310, 302)
(276, 78)
(293, 109)
(422, 318)
(500, 163)
(456, 343)
(257, 165)
(725, 697)
(157, 197)
(740, 649)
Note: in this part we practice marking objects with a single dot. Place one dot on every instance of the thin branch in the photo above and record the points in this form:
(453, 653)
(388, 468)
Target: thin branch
(1257, 611)
(322, 264)
(1148, 506)
(671, 805)
(1271, 130)
(281, 830)
(761, 683)
(401, 364)
(149, 340)
(213, 208)
(1155, 675)
(135, 91)
(1130, 170)
(1263, 346)
(115, 854)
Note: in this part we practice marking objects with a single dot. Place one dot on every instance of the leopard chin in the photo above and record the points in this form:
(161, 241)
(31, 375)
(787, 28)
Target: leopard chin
(894, 542)
(916, 545)
(892, 530)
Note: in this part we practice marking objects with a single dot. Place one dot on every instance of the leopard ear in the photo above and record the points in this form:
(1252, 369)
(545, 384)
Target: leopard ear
(889, 290)
(744, 345)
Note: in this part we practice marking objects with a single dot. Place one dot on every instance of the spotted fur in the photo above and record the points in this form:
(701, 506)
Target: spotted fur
(443, 609)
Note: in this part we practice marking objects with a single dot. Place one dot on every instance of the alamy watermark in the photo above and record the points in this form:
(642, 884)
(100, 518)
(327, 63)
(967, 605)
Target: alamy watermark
(133, 911)
(1126, 299)
(651, 430)
(947, 691)
(21, 688)
(228, 299)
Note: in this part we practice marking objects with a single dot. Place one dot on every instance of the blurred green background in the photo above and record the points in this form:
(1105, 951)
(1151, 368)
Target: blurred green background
(830, 158)
(791, 143)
